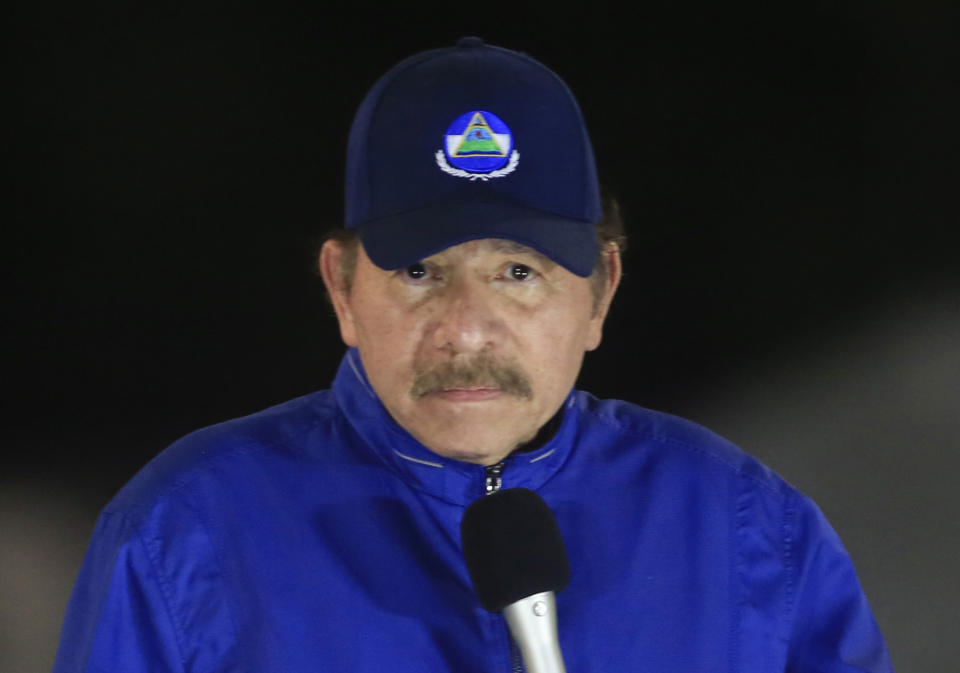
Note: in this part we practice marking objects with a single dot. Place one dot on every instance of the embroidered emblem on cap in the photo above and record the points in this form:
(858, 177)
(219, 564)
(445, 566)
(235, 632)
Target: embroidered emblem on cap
(478, 145)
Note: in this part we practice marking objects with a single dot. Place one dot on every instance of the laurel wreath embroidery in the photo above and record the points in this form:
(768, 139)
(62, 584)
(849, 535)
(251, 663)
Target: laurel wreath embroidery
(460, 173)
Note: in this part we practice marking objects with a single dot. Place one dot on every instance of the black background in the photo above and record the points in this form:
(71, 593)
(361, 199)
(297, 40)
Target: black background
(787, 173)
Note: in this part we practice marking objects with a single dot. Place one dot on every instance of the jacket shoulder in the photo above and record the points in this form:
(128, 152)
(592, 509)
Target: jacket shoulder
(672, 437)
(283, 427)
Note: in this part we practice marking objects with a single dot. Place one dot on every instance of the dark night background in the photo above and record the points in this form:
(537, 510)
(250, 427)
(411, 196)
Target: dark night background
(787, 173)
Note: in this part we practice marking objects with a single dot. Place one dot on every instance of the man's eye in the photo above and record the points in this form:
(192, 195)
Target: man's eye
(416, 271)
(519, 271)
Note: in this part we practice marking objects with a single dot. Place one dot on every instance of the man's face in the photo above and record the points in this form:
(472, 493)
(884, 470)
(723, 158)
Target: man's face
(473, 349)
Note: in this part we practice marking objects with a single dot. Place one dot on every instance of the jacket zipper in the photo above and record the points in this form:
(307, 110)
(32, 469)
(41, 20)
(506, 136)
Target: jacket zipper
(494, 475)
(494, 480)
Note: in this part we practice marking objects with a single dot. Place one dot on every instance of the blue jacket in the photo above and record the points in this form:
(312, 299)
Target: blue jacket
(319, 536)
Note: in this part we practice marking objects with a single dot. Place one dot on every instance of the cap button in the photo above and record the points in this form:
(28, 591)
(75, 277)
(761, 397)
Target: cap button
(468, 42)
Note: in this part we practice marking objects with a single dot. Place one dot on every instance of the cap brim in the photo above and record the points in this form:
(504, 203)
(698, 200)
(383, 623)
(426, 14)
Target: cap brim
(397, 241)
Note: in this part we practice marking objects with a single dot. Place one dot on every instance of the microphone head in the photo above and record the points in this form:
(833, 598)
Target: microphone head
(513, 548)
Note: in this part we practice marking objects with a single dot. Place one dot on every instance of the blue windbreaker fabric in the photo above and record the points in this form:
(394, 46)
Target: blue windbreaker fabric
(319, 536)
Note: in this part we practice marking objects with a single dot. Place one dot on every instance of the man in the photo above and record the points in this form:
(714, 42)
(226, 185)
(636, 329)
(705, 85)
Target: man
(475, 271)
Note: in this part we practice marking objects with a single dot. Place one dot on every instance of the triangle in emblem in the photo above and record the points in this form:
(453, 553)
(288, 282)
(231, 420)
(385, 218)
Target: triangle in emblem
(478, 140)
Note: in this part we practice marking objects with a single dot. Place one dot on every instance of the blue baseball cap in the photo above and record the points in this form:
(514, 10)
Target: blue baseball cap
(467, 142)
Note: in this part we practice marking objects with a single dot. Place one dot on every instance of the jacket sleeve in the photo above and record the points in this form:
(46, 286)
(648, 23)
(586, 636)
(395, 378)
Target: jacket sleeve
(118, 618)
(151, 596)
(834, 630)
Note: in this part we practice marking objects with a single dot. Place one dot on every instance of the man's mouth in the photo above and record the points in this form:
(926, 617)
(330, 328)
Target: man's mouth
(469, 393)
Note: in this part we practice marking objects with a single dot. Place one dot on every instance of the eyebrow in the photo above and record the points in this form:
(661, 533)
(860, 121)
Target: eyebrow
(512, 247)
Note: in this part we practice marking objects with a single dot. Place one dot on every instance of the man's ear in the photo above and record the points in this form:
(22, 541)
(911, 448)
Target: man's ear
(614, 271)
(331, 263)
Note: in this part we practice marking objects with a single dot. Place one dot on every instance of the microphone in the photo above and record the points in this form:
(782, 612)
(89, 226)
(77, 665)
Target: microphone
(517, 560)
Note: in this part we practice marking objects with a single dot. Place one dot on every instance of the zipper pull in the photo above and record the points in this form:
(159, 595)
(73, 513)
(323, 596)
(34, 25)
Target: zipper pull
(494, 476)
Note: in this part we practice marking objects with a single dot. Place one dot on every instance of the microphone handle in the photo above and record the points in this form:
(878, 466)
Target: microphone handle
(533, 624)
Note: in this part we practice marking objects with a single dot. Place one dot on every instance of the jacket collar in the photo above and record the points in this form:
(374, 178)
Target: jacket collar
(451, 480)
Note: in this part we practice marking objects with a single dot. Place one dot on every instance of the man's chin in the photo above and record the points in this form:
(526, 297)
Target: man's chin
(483, 428)
(472, 456)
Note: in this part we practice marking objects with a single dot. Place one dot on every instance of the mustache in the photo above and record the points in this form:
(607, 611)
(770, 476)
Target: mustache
(483, 370)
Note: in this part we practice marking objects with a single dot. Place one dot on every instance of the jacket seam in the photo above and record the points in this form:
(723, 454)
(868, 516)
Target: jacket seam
(167, 593)
(739, 578)
(220, 569)
(789, 565)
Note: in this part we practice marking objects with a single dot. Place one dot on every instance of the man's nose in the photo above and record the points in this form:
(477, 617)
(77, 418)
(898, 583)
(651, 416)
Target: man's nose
(468, 320)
